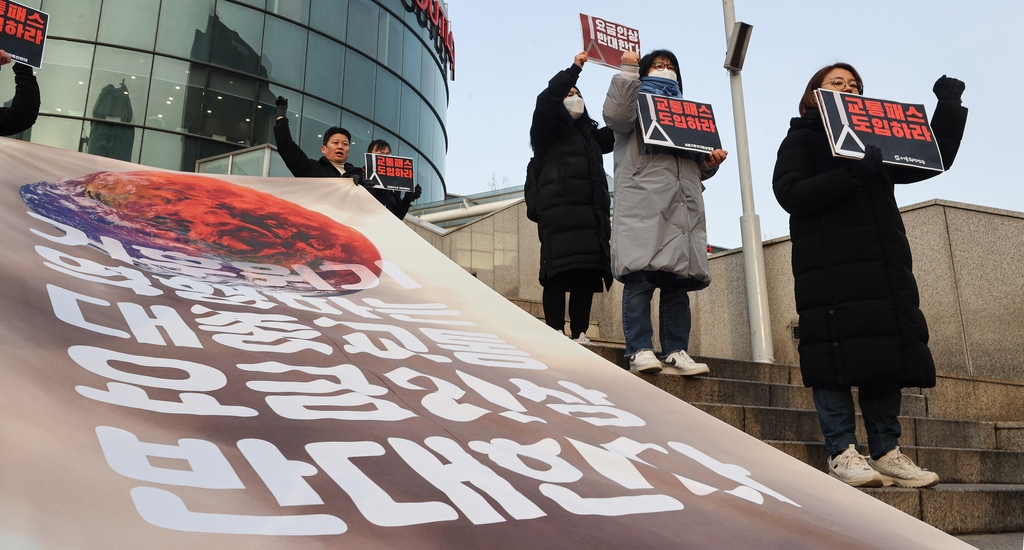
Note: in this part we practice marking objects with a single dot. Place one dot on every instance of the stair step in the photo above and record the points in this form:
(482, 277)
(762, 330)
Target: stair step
(960, 508)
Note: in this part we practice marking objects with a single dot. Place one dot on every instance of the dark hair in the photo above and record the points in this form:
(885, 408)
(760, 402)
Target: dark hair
(336, 130)
(648, 60)
(377, 145)
(807, 102)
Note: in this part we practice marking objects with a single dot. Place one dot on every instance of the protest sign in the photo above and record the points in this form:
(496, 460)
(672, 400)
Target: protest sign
(388, 172)
(246, 362)
(677, 123)
(23, 32)
(900, 130)
(604, 41)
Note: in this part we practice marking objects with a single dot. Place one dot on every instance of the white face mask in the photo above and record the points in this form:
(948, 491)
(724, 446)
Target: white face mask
(574, 104)
(663, 73)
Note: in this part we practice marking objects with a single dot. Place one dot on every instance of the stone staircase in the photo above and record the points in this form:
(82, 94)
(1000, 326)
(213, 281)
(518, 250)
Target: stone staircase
(981, 463)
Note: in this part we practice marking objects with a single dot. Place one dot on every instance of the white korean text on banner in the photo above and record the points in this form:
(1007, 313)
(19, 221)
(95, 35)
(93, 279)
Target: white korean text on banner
(900, 130)
(388, 172)
(604, 41)
(678, 123)
(242, 362)
(23, 32)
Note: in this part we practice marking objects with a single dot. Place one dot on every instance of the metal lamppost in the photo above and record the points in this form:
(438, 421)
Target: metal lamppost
(737, 36)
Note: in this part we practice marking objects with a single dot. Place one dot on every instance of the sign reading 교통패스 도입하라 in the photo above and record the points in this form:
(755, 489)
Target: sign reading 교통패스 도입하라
(23, 32)
(604, 41)
(900, 130)
(677, 123)
(388, 172)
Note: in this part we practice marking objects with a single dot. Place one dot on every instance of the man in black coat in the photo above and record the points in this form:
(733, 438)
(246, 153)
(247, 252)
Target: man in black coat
(333, 163)
(860, 318)
(21, 115)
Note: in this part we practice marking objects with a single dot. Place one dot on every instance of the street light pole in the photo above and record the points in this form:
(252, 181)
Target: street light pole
(750, 223)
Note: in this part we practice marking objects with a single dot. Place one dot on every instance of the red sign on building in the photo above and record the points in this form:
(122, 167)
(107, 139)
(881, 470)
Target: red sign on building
(604, 41)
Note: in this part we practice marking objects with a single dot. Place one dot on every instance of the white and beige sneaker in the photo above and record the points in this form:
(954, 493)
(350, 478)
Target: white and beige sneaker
(897, 469)
(583, 340)
(852, 469)
(644, 361)
(679, 363)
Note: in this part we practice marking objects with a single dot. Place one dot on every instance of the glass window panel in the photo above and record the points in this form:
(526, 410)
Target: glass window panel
(72, 19)
(317, 117)
(296, 10)
(209, 148)
(64, 78)
(380, 133)
(426, 128)
(362, 135)
(329, 16)
(389, 41)
(129, 23)
(228, 110)
(411, 57)
(266, 112)
(278, 169)
(185, 29)
(215, 166)
(112, 140)
(394, 5)
(63, 133)
(360, 77)
(287, 46)
(32, 4)
(362, 26)
(249, 163)
(324, 67)
(440, 96)
(430, 70)
(410, 115)
(119, 85)
(387, 102)
(439, 149)
(254, 3)
(237, 37)
(169, 151)
(176, 95)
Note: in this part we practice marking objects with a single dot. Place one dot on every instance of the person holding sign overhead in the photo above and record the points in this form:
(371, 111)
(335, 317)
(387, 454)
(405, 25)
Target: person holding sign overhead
(659, 236)
(571, 202)
(860, 319)
(24, 109)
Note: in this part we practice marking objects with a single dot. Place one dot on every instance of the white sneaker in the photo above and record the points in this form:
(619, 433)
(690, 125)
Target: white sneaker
(897, 469)
(583, 340)
(678, 362)
(644, 361)
(851, 468)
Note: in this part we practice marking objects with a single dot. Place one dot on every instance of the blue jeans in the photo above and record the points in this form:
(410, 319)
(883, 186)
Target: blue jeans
(880, 406)
(674, 311)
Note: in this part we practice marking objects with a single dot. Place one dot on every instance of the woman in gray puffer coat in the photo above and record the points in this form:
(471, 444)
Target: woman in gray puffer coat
(659, 239)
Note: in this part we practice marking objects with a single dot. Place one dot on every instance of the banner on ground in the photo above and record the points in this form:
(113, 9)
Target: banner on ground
(388, 172)
(677, 123)
(240, 362)
(604, 41)
(900, 130)
(23, 32)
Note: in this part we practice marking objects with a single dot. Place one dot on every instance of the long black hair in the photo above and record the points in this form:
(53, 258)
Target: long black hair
(648, 60)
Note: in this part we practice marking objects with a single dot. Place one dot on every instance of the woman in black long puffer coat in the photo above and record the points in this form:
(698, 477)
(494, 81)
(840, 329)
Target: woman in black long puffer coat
(860, 318)
(571, 202)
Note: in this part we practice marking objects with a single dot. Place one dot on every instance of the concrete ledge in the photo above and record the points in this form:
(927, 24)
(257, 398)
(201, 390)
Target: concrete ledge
(974, 508)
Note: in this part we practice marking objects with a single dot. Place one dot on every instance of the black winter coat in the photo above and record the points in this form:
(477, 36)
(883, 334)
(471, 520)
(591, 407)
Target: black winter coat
(860, 320)
(21, 115)
(572, 202)
(302, 166)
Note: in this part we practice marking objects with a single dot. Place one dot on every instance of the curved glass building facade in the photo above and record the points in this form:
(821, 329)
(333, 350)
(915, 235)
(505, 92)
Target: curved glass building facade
(167, 82)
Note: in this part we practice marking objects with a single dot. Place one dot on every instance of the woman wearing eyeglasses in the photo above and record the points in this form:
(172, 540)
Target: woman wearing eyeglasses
(659, 236)
(860, 320)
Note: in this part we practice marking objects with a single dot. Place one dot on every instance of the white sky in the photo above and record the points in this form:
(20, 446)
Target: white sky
(506, 52)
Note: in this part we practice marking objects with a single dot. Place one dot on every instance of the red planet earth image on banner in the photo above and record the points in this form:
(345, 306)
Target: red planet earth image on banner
(246, 237)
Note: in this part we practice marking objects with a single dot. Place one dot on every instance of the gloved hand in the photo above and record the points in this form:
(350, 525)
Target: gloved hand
(22, 69)
(948, 89)
(282, 106)
(863, 169)
(411, 196)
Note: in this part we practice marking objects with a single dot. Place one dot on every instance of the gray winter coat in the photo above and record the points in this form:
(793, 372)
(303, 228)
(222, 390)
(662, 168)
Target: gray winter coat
(658, 222)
